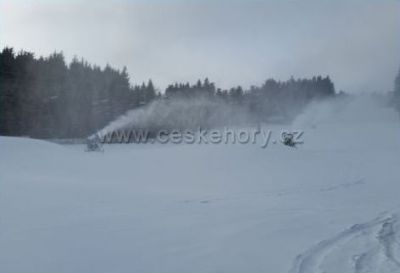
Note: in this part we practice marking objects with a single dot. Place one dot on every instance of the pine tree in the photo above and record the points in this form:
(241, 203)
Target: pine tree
(150, 92)
(397, 84)
(397, 91)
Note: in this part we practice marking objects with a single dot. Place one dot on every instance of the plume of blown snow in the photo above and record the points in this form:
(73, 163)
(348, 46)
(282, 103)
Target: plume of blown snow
(180, 113)
(346, 109)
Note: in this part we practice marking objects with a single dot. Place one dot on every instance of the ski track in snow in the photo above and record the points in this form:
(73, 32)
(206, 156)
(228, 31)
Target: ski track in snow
(381, 254)
(343, 185)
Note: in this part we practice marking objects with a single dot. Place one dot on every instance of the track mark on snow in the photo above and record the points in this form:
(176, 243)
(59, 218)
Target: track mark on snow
(367, 261)
(388, 240)
(362, 248)
(343, 185)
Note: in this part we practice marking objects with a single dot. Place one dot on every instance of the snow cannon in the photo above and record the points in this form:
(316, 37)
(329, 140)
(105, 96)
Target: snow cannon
(288, 139)
(93, 144)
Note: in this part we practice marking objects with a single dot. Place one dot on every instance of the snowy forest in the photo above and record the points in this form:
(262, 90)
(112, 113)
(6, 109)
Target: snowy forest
(47, 97)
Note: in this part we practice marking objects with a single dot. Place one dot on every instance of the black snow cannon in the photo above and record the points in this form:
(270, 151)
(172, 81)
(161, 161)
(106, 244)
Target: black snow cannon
(93, 144)
(288, 139)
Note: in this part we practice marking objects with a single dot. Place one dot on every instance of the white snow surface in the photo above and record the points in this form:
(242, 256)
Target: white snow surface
(332, 205)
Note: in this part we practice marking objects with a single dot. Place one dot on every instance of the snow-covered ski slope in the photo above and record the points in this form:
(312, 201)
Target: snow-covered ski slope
(332, 205)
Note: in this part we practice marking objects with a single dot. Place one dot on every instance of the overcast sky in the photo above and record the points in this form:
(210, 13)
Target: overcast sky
(356, 42)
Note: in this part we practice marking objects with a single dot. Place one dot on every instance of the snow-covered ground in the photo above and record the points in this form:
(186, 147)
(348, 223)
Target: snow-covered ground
(331, 205)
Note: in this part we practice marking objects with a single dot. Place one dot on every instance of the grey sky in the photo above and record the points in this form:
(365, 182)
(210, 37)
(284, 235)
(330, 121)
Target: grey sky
(356, 42)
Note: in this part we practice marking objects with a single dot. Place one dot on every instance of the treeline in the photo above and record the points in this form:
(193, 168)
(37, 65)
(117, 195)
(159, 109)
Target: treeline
(273, 99)
(48, 98)
(45, 97)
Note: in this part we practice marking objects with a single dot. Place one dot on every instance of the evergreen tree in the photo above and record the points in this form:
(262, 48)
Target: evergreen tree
(150, 92)
(397, 91)
(397, 84)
